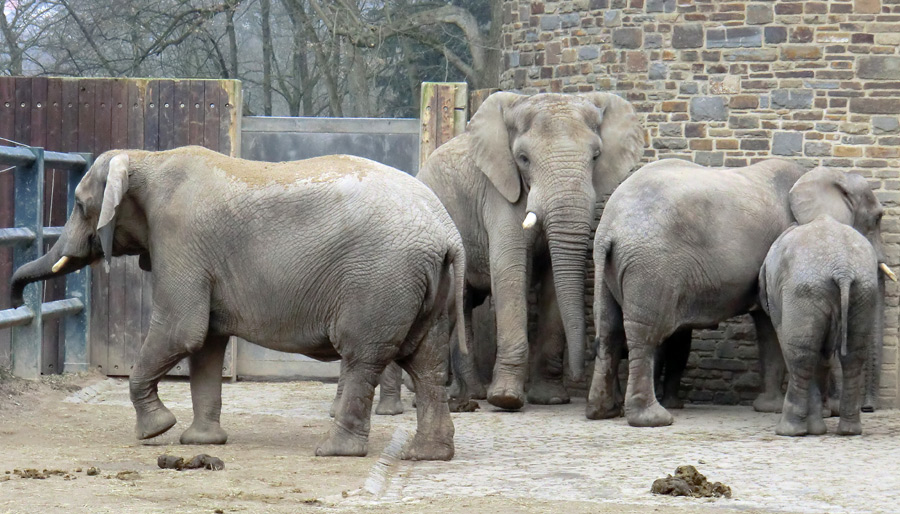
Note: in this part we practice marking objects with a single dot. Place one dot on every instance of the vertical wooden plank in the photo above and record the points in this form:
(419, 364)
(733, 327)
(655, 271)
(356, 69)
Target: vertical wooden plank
(7, 203)
(86, 142)
(134, 276)
(197, 111)
(230, 118)
(166, 114)
(181, 113)
(112, 124)
(55, 210)
(151, 116)
(22, 130)
(54, 289)
(211, 116)
(151, 142)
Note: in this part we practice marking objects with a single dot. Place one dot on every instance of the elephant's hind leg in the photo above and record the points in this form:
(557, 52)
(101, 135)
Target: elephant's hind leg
(641, 407)
(676, 350)
(603, 401)
(206, 393)
(801, 348)
(427, 366)
(389, 401)
(362, 363)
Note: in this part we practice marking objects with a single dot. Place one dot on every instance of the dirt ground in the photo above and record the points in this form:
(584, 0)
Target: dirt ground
(546, 459)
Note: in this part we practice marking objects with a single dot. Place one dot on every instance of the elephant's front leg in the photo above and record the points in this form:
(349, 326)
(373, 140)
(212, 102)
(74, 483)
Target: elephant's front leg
(508, 260)
(349, 434)
(546, 383)
(641, 407)
(178, 328)
(772, 367)
(206, 393)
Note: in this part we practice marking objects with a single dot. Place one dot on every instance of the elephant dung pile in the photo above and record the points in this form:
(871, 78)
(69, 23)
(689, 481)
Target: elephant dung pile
(203, 461)
(689, 482)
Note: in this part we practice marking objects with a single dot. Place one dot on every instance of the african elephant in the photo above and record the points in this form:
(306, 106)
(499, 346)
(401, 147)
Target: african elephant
(679, 246)
(332, 257)
(819, 285)
(522, 183)
(389, 400)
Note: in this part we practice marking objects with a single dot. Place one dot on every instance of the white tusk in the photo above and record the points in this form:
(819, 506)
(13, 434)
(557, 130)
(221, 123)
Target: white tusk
(530, 220)
(887, 271)
(60, 263)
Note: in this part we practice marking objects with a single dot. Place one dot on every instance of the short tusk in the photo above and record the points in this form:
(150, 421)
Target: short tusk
(887, 271)
(530, 220)
(59, 264)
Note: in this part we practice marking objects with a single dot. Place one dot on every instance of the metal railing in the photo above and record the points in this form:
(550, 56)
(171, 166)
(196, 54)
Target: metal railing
(27, 239)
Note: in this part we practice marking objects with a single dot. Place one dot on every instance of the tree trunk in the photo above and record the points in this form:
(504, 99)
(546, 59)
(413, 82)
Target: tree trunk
(232, 41)
(359, 83)
(265, 12)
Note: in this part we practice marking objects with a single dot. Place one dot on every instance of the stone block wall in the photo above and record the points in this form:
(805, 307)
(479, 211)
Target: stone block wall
(726, 83)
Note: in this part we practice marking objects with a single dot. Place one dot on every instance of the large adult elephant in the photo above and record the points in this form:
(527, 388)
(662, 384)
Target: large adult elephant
(333, 257)
(680, 247)
(523, 181)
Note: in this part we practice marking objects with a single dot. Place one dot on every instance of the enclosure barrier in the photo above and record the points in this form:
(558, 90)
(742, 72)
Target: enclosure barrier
(28, 238)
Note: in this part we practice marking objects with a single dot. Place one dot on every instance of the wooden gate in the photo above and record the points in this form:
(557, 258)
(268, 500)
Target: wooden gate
(95, 115)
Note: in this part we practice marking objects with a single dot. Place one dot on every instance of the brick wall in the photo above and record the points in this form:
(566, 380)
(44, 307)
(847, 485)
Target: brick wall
(726, 84)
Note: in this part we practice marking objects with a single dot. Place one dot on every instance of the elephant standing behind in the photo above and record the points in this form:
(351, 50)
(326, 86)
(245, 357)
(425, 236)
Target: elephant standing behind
(333, 257)
(819, 285)
(680, 246)
(522, 184)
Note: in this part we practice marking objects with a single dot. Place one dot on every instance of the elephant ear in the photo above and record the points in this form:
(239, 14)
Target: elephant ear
(491, 145)
(822, 191)
(116, 186)
(621, 137)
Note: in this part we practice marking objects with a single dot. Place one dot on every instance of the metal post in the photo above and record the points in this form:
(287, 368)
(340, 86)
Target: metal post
(78, 285)
(26, 339)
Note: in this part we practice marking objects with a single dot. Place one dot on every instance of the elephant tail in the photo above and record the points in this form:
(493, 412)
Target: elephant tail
(457, 256)
(844, 286)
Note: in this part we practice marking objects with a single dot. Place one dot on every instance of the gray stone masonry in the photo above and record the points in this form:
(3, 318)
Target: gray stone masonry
(727, 83)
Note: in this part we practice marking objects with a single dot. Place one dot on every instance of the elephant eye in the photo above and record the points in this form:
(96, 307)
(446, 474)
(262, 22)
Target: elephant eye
(524, 159)
(596, 154)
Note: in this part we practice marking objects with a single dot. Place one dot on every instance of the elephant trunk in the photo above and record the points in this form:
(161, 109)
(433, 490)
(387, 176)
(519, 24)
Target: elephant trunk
(568, 238)
(42, 269)
(873, 359)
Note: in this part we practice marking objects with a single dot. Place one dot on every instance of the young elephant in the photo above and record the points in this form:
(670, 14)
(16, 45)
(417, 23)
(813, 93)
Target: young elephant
(333, 257)
(819, 285)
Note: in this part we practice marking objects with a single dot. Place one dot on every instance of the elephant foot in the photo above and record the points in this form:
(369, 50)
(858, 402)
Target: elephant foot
(791, 427)
(672, 402)
(550, 392)
(815, 425)
(769, 402)
(151, 424)
(425, 449)
(461, 405)
(597, 411)
(342, 443)
(846, 427)
(209, 433)
(653, 415)
(506, 393)
(389, 407)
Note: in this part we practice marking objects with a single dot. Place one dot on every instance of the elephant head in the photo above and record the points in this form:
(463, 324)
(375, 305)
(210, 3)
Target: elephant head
(848, 198)
(89, 233)
(557, 155)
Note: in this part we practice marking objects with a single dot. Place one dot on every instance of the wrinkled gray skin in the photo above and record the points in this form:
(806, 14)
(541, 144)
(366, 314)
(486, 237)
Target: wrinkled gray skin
(553, 155)
(679, 247)
(819, 285)
(333, 257)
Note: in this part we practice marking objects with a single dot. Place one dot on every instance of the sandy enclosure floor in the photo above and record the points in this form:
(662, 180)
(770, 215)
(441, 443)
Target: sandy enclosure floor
(544, 459)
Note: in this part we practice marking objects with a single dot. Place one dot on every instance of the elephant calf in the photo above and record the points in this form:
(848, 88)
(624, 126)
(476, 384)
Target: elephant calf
(819, 285)
(333, 257)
